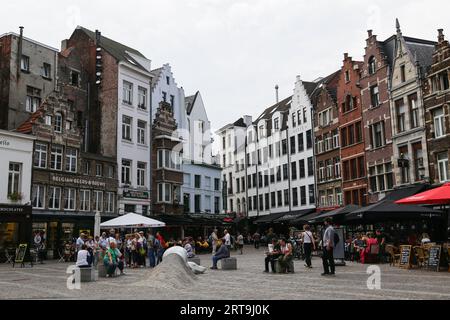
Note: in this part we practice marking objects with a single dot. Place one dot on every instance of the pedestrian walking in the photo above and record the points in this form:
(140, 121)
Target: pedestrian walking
(151, 250)
(308, 245)
(256, 239)
(214, 239)
(328, 239)
(240, 242)
(227, 239)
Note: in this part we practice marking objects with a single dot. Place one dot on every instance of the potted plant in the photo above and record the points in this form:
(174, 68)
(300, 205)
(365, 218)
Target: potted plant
(15, 196)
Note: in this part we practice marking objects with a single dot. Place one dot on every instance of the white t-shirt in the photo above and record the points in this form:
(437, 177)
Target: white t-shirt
(82, 258)
(307, 237)
(227, 239)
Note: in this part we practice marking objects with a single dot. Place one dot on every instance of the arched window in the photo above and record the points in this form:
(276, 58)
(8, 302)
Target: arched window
(238, 205)
(244, 206)
(372, 65)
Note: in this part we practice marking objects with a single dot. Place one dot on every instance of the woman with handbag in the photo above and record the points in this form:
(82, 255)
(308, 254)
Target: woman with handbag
(309, 244)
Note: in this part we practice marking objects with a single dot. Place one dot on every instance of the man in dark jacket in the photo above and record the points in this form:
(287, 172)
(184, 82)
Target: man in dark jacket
(221, 253)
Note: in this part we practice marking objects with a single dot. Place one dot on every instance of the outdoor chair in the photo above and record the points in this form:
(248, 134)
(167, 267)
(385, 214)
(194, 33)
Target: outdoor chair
(61, 255)
(9, 257)
(394, 258)
(372, 255)
(419, 252)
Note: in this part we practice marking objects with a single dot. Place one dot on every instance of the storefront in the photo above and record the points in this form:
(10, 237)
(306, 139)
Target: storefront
(15, 228)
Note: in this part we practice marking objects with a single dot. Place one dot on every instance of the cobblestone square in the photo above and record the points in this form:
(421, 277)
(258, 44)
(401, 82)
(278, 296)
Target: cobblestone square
(48, 281)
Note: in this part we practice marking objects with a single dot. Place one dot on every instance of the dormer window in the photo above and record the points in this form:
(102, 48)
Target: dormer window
(58, 123)
(261, 131)
(276, 124)
(372, 65)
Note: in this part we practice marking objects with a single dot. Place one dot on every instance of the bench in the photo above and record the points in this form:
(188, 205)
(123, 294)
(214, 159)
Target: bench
(196, 260)
(87, 274)
(279, 269)
(228, 263)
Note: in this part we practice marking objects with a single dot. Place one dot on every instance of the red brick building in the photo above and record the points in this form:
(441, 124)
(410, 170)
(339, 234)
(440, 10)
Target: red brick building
(376, 115)
(437, 111)
(353, 160)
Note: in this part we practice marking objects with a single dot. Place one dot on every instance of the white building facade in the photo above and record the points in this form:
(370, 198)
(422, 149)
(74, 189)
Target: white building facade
(133, 137)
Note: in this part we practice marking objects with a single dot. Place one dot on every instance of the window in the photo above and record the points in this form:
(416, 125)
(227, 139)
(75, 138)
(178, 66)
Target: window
(68, 125)
(372, 65)
(304, 116)
(141, 172)
(110, 171)
(261, 132)
(14, 176)
(266, 201)
(25, 63)
(56, 157)
(344, 137)
(347, 76)
(69, 199)
(293, 120)
(303, 195)
(208, 183)
(217, 205)
(309, 142)
(126, 127)
(294, 170)
(358, 132)
(164, 192)
(141, 132)
(443, 80)
(442, 163)
(40, 155)
(403, 73)
(400, 109)
(286, 197)
(273, 203)
(197, 181)
(164, 96)
(361, 167)
(71, 159)
(438, 120)
(86, 167)
(46, 71)
(266, 178)
(126, 171)
(168, 80)
(337, 167)
(374, 96)
(33, 99)
(312, 198)
(54, 198)
(284, 147)
(98, 201)
(285, 172)
(85, 200)
(277, 149)
(142, 98)
(261, 203)
(310, 167)
(377, 136)
(404, 165)
(295, 197)
(38, 196)
(381, 177)
(278, 173)
(276, 124)
(217, 184)
(48, 120)
(99, 170)
(197, 202)
(110, 200)
(335, 139)
(58, 123)
(74, 78)
(127, 94)
(301, 165)
(293, 145)
(172, 100)
(413, 110)
(301, 145)
(418, 161)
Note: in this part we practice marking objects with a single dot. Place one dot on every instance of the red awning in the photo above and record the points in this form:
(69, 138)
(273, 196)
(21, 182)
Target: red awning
(437, 196)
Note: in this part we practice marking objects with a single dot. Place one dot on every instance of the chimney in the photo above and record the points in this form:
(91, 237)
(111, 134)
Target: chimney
(19, 52)
(247, 120)
(64, 44)
(441, 37)
(98, 36)
(276, 93)
(345, 56)
(370, 33)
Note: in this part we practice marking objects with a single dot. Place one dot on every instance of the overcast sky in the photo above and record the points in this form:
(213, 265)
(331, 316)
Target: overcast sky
(233, 51)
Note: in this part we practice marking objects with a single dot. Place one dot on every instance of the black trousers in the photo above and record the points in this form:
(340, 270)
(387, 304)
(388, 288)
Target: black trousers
(328, 261)
(271, 260)
(307, 249)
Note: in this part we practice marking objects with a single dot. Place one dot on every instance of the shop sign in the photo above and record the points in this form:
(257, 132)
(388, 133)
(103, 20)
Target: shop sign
(4, 142)
(136, 194)
(14, 209)
(79, 181)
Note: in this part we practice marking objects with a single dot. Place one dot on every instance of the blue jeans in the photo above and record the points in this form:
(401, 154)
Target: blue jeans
(151, 258)
(110, 268)
(215, 259)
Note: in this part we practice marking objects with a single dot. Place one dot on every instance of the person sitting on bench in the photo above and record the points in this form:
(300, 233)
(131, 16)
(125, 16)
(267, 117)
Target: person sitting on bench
(285, 258)
(83, 257)
(112, 259)
(188, 247)
(221, 253)
(272, 255)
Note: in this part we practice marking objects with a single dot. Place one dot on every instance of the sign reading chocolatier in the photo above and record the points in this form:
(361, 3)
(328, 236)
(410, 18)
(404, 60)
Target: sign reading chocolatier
(78, 181)
(135, 194)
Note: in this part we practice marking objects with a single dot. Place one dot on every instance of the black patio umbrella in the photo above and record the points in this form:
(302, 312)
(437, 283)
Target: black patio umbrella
(335, 214)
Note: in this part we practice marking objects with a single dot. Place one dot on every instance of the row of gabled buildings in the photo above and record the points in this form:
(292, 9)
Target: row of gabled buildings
(369, 128)
(109, 134)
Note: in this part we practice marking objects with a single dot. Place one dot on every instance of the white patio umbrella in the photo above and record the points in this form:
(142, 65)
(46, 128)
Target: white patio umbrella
(130, 220)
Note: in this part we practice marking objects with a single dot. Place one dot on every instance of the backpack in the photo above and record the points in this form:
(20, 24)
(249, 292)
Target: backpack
(336, 238)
